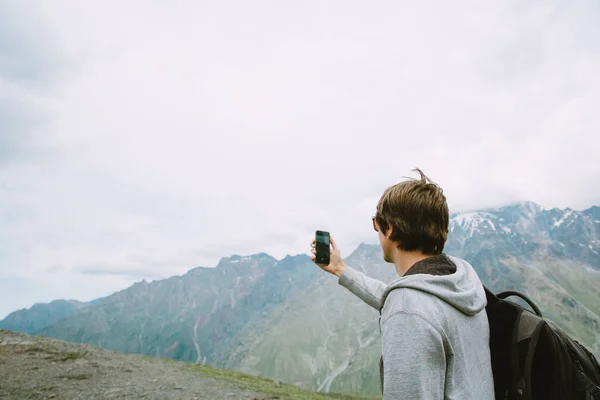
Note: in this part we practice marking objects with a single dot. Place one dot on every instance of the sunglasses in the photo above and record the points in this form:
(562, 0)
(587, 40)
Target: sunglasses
(375, 225)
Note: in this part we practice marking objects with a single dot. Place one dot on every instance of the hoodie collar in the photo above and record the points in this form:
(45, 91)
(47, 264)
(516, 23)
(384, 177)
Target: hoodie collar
(438, 264)
(451, 279)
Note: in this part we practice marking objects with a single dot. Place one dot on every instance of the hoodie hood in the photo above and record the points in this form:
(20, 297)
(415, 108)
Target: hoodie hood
(451, 279)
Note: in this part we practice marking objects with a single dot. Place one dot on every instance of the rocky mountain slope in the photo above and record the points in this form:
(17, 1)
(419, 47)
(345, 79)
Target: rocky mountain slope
(40, 315)
(288, 320)
(33, 368)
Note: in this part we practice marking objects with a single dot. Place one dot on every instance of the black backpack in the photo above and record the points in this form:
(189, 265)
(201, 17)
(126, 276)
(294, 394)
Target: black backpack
(532, 358)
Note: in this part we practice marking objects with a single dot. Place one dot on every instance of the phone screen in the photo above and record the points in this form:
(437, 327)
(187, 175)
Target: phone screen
(322, 247)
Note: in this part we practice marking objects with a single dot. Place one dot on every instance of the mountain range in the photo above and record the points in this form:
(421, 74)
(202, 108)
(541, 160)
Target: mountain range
(288, 320)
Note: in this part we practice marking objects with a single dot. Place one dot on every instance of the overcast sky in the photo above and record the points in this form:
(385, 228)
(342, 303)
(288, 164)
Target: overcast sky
(139, 139)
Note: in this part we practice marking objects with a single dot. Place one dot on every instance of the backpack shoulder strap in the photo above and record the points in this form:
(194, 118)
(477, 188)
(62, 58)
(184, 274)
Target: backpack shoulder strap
(527, 328)
(509, 293)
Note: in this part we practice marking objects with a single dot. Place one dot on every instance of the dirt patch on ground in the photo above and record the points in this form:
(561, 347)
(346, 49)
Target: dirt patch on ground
(34, 367)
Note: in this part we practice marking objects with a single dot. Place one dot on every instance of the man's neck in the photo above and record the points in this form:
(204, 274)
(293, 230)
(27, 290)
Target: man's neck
(406, 259)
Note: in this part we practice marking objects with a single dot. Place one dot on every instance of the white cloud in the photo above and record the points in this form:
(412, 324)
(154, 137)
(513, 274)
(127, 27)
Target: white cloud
(182, 132)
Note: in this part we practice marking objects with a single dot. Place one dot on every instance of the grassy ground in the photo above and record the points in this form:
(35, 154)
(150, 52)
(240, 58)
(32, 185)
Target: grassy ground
(268, 386)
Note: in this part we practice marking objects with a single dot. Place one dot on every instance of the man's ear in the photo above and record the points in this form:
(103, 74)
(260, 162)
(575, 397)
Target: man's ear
(389, 232)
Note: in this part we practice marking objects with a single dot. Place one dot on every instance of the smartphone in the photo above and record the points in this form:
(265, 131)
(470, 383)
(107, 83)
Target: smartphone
(322, 248)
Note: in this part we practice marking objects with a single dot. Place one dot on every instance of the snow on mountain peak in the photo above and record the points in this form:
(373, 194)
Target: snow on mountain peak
(531, 208)
(562, 219)
(473, 222)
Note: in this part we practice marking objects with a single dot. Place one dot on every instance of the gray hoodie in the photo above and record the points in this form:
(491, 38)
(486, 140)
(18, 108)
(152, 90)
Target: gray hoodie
(434, 328)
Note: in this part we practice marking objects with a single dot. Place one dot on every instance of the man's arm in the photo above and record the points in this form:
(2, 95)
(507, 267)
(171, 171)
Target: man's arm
(367, 289)
(414, 358)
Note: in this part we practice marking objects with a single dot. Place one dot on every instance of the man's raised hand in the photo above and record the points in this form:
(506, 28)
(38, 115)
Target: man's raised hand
(336, 265)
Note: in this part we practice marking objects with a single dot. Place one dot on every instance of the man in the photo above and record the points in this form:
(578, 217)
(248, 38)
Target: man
(433, 321)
